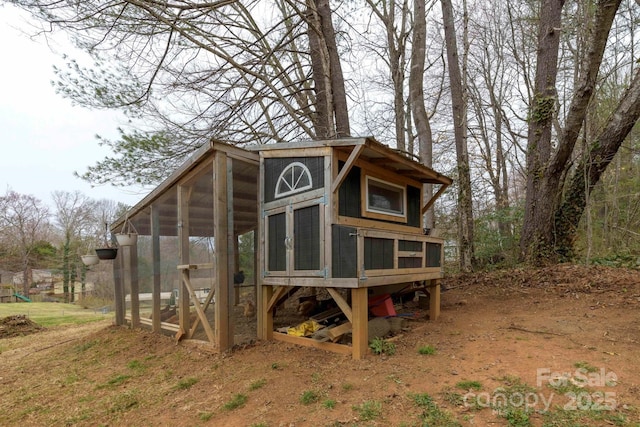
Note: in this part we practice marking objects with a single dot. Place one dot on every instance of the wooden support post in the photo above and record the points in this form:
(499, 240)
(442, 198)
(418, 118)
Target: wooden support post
(118, 290)
(132, 260)
(236, 268)
(224, 339)
(434, 299)
(155, 260)
(184, 194)
(360, 322)
(344, 306)
(265, 327)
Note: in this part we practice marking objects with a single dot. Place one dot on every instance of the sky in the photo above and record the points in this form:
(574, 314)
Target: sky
(43, 137)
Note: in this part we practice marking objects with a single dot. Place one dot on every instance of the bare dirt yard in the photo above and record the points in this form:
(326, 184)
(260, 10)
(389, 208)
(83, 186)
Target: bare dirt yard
(558, 346)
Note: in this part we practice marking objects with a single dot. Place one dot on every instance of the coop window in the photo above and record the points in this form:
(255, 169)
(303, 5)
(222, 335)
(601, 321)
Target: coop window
(295, 178)
(385, 198)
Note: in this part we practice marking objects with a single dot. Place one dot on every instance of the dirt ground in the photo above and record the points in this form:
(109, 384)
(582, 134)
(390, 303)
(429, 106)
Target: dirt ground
(557, 346)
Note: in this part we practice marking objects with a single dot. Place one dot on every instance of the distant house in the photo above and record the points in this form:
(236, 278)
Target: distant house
(39, 278)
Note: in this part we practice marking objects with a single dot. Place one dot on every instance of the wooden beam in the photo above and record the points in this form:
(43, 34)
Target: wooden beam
(308, 342)
(344, 306)
(355, 153)
(276, 296)
(224, 339)
(118, 290)
(434, 299)
(360, 323)
(155, 261)
(196, 302)
(184, 195)
(132, 260)
(434, 198)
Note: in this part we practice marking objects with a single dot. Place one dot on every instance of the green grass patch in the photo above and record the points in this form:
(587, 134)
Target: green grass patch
(427, 350)
(308, 397)
(50, 314)
(432, 415)
(369, 410)
(255, 385)
(510, 401)
(186, 383)
(347, 386)
(381, 346)
(585, 367)
(452, 397)
(236, 401)
(329, 403)
(205, 416)
(136, 365)
(469, 385)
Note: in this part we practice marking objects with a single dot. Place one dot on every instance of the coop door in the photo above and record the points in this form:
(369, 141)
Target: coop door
(293, 240)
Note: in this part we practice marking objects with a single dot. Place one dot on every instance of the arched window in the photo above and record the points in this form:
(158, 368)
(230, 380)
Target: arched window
(295, 178)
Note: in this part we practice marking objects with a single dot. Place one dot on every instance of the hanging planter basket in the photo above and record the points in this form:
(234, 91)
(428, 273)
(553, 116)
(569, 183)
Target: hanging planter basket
(107, 253)
(128, 239)
(90, 259)
(128, 236)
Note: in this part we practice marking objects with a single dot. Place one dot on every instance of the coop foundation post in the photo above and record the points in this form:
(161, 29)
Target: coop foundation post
(360, 322)
(434, 299)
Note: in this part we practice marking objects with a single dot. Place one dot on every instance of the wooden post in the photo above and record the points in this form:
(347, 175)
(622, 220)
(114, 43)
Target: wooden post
(155, 259)
(236, 268)
(118, 290)
(263, 293)
(265, 326)
(220, 233)
(184, 193)
(360, 322)
(434, 299)
(132, 260)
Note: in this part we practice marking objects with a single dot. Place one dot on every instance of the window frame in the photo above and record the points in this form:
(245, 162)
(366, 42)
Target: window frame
(305, 171)
(378, 213)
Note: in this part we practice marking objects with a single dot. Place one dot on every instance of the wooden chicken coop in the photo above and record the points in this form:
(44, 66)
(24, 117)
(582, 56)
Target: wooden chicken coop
(342, 215)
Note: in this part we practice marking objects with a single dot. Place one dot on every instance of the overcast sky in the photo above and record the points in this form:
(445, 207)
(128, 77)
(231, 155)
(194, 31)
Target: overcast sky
(43, 138)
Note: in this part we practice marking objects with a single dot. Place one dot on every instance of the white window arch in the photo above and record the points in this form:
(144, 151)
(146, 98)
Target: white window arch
(295, 178)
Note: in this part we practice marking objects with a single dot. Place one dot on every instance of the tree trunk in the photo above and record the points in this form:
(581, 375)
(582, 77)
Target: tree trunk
(602, 152)
(323, 119)
(546, 172)
(465, 207)
(416, 99)
(338, 91)
(540, 201)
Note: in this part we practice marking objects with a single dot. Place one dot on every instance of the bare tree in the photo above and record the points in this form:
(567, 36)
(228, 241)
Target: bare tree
(74, 218)
(459, 110)
(24, 221)
(246, 72)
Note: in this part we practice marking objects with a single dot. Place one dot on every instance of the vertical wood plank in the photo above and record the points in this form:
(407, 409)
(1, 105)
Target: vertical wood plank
(184, 193)
(232, 249)
(132, 260)
(220, 227)
(360, 322)
(434, 299)
(118, 289)
(259, 267)
(236, 268)
(155, 260)
(265, 330)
